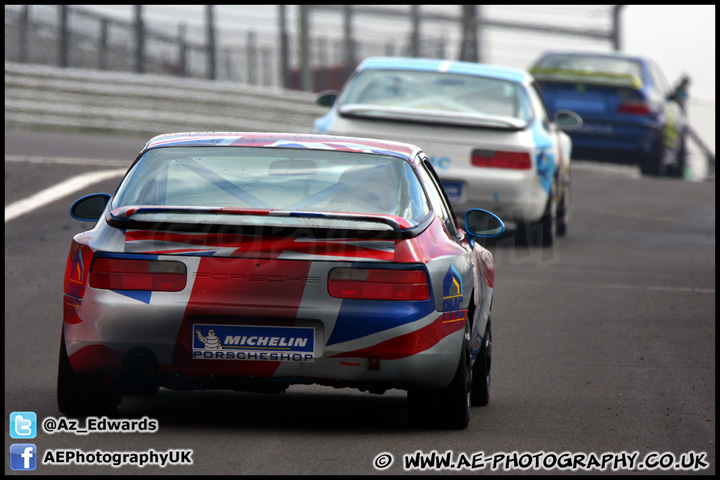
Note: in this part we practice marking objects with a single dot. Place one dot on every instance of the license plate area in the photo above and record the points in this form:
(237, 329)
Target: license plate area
(584, 105)
(596, 129)
(453, 190)
(252, 343)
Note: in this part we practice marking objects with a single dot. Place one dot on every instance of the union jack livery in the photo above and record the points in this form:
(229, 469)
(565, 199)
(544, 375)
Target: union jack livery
(255, 261)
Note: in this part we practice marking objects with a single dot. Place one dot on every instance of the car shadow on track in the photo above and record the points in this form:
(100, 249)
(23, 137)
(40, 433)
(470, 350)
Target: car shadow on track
(297, 408)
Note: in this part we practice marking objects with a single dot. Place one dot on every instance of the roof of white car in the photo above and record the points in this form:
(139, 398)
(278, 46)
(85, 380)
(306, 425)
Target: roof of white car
(450, 66)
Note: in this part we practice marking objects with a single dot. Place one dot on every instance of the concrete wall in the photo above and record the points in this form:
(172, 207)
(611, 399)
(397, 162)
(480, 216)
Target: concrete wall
(91, 100)
(42, 97)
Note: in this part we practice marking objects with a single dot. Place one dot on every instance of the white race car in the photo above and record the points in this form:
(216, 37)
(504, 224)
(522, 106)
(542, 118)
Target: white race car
(485, 129)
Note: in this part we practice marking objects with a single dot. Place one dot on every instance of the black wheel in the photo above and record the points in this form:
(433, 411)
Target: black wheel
(547, 222)
(450, 406)
(652, 164)
(563, 213)
(79, 396)
(678, 169)
(480, 392)
(649, 166)
(521, 238)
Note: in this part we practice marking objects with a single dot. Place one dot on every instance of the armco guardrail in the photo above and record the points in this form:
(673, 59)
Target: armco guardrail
(74, 99)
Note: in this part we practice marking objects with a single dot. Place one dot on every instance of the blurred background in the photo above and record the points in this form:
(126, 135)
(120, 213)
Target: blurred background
(272, 44)
(311, 48)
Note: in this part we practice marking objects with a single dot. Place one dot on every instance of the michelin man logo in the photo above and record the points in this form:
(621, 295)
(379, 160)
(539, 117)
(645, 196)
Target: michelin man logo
(210, 341)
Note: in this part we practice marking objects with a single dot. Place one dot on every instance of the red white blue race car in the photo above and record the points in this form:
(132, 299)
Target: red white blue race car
(253, 262)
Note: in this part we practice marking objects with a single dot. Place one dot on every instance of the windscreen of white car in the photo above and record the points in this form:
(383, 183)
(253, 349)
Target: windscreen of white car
(436, 97)
(272, 179)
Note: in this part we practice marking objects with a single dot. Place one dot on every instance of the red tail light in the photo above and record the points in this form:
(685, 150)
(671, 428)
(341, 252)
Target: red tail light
(127, 274)
(360, 283)
(501, 159)
(634, 108)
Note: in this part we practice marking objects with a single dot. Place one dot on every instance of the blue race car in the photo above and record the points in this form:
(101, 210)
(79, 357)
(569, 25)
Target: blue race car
(630, 113)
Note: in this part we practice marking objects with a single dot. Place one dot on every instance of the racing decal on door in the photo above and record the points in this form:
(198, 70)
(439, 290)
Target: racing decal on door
(410, 343)
(546, 167)
(441, 164)
(452, 290)
(76, 270)
(453, 297)
(76, 275)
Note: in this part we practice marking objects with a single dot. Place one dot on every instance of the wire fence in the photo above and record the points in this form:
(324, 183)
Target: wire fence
(307, 47)
(285, 48)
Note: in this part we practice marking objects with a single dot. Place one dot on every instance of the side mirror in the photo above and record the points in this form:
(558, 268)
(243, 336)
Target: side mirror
(481, 223)
(90, 207)
(567, 120)
(678, 96)
(326, 98)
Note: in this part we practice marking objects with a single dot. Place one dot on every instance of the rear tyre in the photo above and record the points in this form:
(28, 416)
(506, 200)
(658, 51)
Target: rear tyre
(480, 392)
(448, 407)
(547, 222)
(652, 163)
(522, 239)
(563, 213)
(678, 169)
(79, 396)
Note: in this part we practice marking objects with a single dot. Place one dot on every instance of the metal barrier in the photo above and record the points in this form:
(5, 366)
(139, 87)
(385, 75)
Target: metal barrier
(91, 100)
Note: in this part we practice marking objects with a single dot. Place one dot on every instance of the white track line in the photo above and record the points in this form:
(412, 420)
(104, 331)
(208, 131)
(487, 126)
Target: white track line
(58, 191)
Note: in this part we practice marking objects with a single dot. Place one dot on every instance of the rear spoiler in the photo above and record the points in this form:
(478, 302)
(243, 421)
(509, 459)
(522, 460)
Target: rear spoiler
(416, 115)
(123, 218)
(544, 74)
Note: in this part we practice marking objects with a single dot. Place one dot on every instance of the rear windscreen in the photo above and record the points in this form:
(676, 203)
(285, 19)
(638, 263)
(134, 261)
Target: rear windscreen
(426, 92)
(274, 179)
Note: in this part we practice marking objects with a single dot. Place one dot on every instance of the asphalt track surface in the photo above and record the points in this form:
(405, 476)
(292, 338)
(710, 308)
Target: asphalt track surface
(604, 343)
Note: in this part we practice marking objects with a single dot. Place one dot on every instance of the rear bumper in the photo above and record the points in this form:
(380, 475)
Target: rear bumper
(512, 195)
(614, 143)
(125, 339)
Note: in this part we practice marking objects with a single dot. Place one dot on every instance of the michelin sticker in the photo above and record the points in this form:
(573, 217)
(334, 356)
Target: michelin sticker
(255, 343)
